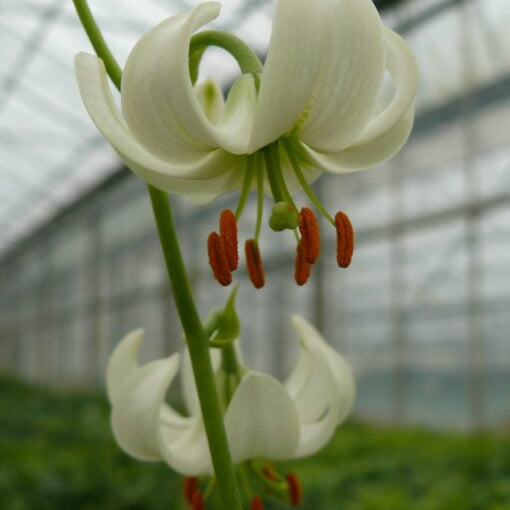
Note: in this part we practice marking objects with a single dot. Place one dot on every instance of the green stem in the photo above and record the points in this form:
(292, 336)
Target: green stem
(98, 43)
(199, 351)
(186, 308)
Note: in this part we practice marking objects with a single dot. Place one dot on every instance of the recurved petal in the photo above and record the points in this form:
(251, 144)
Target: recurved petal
(403, 69)
(201, 175)
(136, 410)
(345, 388)
(387, 132)
(322, 74)
(307, 384)
(158, 101)
(123, 363)
(322, 389)
(364, 155)
(187, 452)
(261, 420)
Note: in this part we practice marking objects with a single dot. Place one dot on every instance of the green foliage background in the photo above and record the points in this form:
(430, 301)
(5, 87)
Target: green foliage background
(57, 452)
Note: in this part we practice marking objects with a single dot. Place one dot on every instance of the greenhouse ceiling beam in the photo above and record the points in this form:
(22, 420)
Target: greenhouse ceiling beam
(462, 106)
(12, 79)
(428, 15)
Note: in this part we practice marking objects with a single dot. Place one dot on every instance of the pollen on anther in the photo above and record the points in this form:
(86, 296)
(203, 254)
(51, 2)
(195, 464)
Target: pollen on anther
(256, 503)
(218, 259)
(295, 491)
(197, 501)
(228, 231)
(302, 268)
(310, 235)
(190, 486)
(344, 239)
(254, 263)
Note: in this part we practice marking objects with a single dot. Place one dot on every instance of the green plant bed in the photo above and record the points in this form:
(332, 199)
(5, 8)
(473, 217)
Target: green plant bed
(57, 452)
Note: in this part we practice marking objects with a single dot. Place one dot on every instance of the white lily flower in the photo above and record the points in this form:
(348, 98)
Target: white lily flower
(264, 418)
(319, 90)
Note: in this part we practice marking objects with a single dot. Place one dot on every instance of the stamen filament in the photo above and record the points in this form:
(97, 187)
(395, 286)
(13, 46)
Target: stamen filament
(245, 190)
(260, 200)
(306, 187)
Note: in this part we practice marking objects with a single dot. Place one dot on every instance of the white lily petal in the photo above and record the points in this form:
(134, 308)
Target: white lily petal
(157, 95)
(123, 363)
(189, 388)
(402, 67)
(315, 436)
(211, 100)
(323, 72)
(340, 370)
(189, 452)
(200, 175)
(240, 107)
(135, 417)
(308, 382)
(365, 155)
(261, 420)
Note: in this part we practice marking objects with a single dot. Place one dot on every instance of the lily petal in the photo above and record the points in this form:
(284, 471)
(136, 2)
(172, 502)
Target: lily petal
(210, 97)
(340, 370)
(358, 157)
(388, 131)
(123, 363)
(188, 453)
(158, 101)
(261, 420)
(201, 175)
(135, 417)
(323, 72)
(403, 69)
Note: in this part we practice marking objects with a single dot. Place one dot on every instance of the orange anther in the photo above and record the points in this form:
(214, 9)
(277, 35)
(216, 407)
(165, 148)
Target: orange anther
(295, 491)
(197, 501)
(301, 267)
(254, 263)
(190, 485)
(218, 259)
(269, 473)
(344, 239)
(256, 503)
(310, 235)
(228, 231)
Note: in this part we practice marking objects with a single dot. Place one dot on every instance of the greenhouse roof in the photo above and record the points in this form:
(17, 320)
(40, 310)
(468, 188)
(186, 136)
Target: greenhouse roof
(52, 153)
